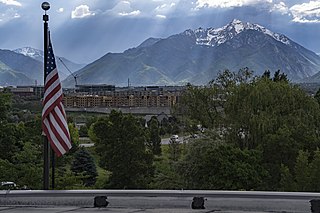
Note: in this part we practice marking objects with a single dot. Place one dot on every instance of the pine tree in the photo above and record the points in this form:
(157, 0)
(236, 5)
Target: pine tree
(83, 164)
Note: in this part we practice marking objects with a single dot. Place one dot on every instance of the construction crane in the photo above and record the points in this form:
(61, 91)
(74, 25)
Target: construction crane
(73, 75)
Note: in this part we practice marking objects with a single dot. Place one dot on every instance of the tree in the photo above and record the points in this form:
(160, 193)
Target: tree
(275, 117)
(315, 172)
(5, 106)
(279, 149)
(278, 76)
(174, 149)
(83, 131)
(210, 164)
(166, 175)
(256, 109)
(263, 114)
(120, 143)
(302, 171)
(83, 163)
(28, 166)
(317, 96)
(286, 179)
(8, 171)
(154, 140)
(201, 104)
(11, 140)
(67, 180)
(204, 104)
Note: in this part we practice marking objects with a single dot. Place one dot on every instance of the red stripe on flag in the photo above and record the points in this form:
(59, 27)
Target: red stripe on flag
(52, 106)
(62, 126)
(54, 122)
(53, 146)
(51, 80)
(52, 93)
(59, 138)
(60, 107)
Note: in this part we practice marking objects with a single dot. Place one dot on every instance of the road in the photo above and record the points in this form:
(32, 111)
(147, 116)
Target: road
(166, 140)
(152, 205)
(163, 141)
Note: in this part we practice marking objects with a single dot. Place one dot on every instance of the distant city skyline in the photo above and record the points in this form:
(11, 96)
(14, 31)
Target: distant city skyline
(85, 30)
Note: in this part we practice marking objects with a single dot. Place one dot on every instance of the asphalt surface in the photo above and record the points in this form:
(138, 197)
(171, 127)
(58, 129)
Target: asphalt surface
(152, 205)
(163, 141)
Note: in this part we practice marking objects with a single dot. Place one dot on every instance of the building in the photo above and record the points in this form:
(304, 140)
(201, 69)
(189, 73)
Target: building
(95, 89)
(125, 97)
(82, 101)
(34, 92)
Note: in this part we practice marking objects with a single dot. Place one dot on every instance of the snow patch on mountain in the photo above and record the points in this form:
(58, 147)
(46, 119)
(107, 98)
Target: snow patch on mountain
(31, 52)
(215, 37)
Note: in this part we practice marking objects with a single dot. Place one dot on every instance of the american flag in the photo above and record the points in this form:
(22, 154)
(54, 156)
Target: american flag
(54, 122)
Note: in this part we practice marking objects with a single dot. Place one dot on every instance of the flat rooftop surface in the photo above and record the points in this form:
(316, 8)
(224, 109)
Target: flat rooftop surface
(152, 205)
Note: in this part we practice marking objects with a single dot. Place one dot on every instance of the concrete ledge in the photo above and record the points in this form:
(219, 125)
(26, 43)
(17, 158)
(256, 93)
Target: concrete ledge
(161, 193)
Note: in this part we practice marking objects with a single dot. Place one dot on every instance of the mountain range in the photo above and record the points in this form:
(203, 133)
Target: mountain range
(24, 66)
(196, 56)
(193, 56)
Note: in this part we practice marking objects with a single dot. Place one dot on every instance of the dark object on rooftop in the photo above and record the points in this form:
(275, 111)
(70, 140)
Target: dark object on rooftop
(100, 201)
(315, 205)
(198, 203)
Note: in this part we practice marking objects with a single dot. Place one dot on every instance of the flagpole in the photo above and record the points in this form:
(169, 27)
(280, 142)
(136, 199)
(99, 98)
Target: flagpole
(53, 166)
(46, 157)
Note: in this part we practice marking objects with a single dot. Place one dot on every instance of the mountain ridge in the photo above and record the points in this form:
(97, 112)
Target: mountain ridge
(62, 69)
(196, 56)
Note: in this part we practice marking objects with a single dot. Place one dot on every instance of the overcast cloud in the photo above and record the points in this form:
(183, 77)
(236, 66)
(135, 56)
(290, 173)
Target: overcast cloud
(84, 30)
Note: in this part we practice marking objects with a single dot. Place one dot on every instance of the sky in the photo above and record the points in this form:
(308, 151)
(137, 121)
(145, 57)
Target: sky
(85, 30)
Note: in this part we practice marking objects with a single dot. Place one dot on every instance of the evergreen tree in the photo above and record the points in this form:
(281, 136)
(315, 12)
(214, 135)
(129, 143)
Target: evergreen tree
(83, 164)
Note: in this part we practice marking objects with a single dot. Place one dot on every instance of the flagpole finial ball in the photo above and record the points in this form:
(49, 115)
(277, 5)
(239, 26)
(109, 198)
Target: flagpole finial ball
(45, 6)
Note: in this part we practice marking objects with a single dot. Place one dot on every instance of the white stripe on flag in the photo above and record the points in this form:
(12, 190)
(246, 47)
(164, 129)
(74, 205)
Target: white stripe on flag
(53, 137)
(59, 130)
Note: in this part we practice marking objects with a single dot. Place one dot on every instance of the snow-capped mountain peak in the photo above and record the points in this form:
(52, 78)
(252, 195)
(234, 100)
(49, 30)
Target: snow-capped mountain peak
(31, 52)
(215, 37)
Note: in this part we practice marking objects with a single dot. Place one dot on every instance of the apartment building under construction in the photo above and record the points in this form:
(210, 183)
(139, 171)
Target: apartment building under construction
(152, 96)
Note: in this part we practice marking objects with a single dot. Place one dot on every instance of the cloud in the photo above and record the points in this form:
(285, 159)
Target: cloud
(161, 16)
(82, 11)
(228, 3)
(60, 10)
(165, 8)
(133, 13)
(11, 2)
(306, 12)
(124, 8)
(9, 15)
(280, 7)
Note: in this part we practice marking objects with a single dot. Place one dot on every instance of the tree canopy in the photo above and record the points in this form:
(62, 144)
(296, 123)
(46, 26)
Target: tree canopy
(265, 115)
(120, 142)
